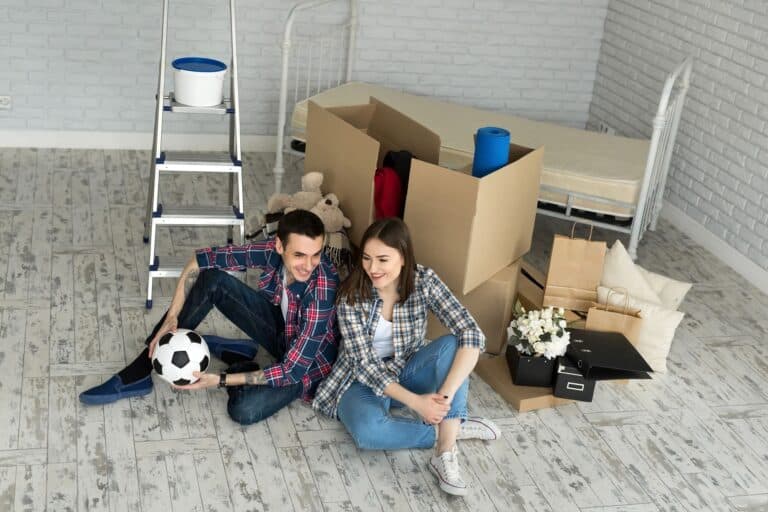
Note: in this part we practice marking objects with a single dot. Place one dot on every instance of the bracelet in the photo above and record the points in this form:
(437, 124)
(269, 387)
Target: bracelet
(223, 379)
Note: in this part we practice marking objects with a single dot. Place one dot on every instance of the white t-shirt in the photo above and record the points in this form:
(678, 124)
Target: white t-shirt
(284, 299)
(383, 343)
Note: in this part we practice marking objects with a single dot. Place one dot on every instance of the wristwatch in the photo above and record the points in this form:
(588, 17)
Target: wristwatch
(223, 379)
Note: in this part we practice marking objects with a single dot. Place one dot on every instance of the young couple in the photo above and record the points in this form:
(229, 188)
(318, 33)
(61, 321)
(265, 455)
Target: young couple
(299, 314)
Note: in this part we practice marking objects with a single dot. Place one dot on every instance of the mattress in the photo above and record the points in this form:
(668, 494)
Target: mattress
(578, 161)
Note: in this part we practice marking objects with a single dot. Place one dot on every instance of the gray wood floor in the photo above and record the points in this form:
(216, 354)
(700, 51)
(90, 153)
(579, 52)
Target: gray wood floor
(72, 285)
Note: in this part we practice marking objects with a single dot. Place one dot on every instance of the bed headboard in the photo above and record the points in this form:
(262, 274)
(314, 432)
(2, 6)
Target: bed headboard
(315, 56)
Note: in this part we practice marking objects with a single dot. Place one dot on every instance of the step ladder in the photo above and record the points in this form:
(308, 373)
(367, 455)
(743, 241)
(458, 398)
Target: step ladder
(166, 162)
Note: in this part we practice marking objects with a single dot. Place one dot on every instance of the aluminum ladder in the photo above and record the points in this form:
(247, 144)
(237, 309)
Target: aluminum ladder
(228, 162)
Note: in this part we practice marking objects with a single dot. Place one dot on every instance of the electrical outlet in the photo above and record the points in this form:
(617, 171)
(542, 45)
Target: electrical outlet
(5, 103)
(604, 128)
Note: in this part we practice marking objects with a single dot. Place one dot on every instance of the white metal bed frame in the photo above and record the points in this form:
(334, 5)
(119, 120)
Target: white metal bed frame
(644, 213)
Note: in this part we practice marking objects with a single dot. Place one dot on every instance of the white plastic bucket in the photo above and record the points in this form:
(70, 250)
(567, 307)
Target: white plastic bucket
(198, 81)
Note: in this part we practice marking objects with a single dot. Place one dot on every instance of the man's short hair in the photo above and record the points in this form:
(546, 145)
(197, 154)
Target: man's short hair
(300, 222)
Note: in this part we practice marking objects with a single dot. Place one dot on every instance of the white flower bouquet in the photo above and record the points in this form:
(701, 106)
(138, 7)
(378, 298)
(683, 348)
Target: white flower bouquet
(539, 333)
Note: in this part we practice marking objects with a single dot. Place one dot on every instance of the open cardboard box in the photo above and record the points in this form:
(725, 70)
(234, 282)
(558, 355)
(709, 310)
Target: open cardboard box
(494, 370)
(492, 305)
(465, 228)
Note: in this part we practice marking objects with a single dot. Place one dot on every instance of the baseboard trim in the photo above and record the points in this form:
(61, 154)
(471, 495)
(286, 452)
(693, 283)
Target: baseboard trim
(127, 140)
(721, 250)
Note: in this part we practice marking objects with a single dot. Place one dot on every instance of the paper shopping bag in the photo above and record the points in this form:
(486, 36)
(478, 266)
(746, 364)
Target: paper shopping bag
(575, 269)
(606, 318)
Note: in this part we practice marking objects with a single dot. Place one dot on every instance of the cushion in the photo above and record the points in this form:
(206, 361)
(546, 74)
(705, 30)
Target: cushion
(620, 272)
(658, 327)
(670, 292)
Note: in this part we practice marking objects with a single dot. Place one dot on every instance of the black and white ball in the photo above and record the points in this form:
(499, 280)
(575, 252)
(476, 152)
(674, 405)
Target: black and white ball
(179, 354)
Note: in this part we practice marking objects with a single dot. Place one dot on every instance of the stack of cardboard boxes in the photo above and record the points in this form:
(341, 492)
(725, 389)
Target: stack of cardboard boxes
(472, 231)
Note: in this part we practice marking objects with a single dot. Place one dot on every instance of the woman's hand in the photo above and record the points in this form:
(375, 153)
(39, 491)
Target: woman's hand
(206, 380)
(432, 407)
(170, 324)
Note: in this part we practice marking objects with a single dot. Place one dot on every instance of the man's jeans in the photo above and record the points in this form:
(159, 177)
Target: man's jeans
(367, 416)
(254, 314)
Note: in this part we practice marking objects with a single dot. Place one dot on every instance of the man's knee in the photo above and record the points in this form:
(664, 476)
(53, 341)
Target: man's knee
(211, 278)
(242, 413)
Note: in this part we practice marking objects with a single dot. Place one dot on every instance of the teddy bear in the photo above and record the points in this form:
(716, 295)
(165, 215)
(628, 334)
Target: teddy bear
(305, 199)
(329, 212)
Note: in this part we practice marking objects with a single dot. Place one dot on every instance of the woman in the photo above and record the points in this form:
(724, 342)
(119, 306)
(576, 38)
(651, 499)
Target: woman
(385, 362)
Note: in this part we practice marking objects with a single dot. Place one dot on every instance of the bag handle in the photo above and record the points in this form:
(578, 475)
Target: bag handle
(617, 290)
(573, 229)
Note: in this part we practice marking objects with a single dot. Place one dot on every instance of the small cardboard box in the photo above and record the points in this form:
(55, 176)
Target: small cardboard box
(492, 305)
(465, 228)
(495, 372)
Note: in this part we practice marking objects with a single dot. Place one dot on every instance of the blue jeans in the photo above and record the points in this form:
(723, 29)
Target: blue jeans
(367, 418)
(262, 321)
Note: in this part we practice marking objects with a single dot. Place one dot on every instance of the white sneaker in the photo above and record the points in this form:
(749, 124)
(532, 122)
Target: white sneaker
(446, 468)
(475, 427)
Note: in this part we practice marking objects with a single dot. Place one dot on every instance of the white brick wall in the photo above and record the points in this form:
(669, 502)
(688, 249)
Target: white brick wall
(91, 64)
(719, 172)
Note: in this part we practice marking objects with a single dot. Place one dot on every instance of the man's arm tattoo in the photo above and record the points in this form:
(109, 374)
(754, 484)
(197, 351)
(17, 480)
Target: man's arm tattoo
(255, 378)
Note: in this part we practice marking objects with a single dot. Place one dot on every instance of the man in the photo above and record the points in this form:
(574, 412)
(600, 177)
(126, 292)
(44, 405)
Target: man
(292, 315)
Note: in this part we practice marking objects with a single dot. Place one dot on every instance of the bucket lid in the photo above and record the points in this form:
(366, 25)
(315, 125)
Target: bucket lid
(199, 64)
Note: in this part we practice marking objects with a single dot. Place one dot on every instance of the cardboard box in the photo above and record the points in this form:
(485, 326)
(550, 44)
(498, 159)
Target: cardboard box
(348, 144)
(492, 305)
(467, 229)
(495, 372)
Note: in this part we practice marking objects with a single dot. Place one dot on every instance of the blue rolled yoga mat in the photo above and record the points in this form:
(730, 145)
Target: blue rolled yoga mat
(491, 150)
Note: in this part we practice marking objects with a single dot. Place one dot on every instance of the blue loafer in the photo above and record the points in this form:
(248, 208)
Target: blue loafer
(231, 351)
(114, 389)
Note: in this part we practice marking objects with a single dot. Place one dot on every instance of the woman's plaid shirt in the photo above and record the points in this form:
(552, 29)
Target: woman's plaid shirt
(358, 360)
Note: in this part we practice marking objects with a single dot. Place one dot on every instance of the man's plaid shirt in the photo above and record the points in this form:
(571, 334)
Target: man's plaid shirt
(311, 336)
(358, 360)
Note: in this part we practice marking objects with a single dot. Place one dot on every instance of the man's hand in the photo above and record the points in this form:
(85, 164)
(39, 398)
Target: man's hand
(206, 380)
(432, 407)
(170, 324)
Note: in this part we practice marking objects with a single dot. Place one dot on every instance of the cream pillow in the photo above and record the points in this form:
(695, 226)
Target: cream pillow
(670, 291)
(657, 330)
(620, 272)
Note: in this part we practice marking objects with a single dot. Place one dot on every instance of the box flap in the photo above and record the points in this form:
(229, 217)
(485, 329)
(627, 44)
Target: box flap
(349, 173)
(396, 132)
(438, 193)
(501, 233)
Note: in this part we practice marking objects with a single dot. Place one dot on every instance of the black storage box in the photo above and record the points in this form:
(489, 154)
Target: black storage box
(570, 383)
(530, 371)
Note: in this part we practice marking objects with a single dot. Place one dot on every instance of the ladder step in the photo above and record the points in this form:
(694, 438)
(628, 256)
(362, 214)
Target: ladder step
(198, 216)
(194, 161)
(222, 108)
(171, 266)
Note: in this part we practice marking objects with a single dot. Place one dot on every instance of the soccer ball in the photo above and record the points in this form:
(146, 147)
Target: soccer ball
(179, 354)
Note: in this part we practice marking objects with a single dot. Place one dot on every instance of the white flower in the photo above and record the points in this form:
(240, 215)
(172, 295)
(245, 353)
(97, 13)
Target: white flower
(560, 311)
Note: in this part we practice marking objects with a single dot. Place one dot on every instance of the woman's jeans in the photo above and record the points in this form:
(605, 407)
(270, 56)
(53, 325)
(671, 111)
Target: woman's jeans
(367, 418)
(262, 321)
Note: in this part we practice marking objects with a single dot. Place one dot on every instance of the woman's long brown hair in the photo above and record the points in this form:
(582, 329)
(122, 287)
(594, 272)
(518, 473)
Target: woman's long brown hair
(393, 233)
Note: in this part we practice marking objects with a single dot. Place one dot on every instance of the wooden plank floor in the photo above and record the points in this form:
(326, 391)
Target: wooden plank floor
(72, 285)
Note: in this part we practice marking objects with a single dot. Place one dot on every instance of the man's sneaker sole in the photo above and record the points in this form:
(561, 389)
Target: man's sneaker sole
(445, 486)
